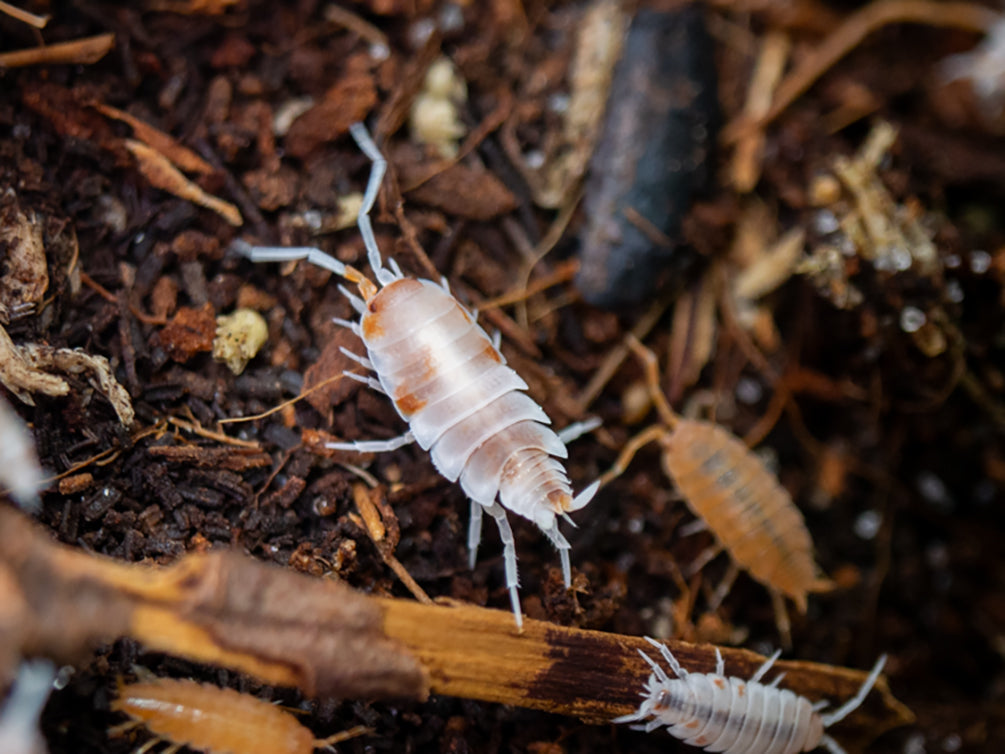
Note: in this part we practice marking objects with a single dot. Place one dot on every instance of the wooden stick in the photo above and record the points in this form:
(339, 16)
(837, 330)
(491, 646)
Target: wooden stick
(80, 51)
(476, 653)
(859, 25)
(289, 629)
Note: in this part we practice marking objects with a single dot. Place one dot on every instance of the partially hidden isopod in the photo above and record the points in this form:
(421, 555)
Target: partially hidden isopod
(734, 716)
(450, 382)
(214, 720)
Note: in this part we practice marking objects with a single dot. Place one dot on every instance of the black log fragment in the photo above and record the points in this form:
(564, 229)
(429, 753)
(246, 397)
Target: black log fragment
(653, 156)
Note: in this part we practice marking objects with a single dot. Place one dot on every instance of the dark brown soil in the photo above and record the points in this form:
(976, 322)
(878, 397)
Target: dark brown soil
(909, 524)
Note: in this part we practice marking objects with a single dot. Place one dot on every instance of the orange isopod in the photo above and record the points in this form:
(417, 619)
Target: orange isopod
(743, 504)
(215, 720)
(733, 493)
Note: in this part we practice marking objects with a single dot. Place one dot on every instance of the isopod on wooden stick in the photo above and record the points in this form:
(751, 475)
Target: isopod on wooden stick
(736, 716)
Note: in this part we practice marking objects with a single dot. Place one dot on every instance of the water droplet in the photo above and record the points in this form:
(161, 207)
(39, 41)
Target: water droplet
(934, 491)
(980, 262)
(534, 159)
(749, 391)
(867, 524)
(901, 258)
(451, 18)
(954, 291)
(952, 742)
(915, 744)
(558, 103)
(825, 222)
(912, 319)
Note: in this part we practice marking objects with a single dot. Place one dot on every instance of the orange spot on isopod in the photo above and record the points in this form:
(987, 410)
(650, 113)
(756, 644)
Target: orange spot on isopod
(491, 353)
(409, 403)
(371, 325)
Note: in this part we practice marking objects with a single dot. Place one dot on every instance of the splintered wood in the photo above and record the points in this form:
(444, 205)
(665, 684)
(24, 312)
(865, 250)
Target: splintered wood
(591, 675)
(292, 630)
(219, 608)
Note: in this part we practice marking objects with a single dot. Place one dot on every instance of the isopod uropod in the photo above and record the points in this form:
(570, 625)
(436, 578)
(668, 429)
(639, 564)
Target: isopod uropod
(214, 720)
(730, 715)
(450, 382)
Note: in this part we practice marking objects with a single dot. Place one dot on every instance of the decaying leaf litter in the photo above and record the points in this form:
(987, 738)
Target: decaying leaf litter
(891, 445)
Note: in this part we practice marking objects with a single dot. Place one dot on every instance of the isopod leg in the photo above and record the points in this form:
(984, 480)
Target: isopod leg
(724, 586)
(577, 429)
(693, 527)
(781, 618)
(358, 304)
(148, 745)
(831, 745)
(474, 533)
(286, 254)
(354, 326)
(371, 382)
(509, 557)
(761, 671)
(345, 735)
(660, 673)
(668, 656)
(365, 143)
(374, 446)
(856, 701)
(361, 360)
(562, 545)
(650, 368)
(704, 558)
(628, 452)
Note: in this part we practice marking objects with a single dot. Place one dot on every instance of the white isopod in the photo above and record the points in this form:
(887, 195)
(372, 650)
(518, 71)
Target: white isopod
(449, 381)
(727, 714)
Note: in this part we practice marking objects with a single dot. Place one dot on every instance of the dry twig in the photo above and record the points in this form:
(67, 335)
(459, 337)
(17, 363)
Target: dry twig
(79, 51)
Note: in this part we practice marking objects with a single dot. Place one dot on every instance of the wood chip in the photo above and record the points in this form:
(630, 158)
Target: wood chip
(159, 141)
(158, 169)
(76, 361)
(26, 273)
(232, 459)
(79, 51)
(190, 332)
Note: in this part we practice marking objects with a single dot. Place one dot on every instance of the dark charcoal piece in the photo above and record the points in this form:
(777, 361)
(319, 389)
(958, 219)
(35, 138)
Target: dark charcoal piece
(653, 155)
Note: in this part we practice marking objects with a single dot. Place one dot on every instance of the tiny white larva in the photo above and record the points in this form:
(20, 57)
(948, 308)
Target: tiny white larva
(449, 381)
(734, 716)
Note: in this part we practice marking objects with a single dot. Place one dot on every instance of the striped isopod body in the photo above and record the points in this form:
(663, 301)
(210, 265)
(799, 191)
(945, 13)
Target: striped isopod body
(742, 504)
(731, 715)
(215, 720)
(450, 382)
(750, 513)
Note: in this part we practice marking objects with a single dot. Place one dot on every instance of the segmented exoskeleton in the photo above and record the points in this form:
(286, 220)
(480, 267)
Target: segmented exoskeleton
(731, 715)
(741, 503)
(214, 720)
(450, 382)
